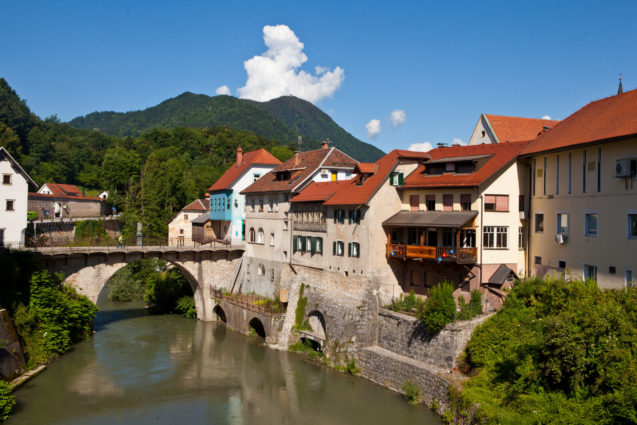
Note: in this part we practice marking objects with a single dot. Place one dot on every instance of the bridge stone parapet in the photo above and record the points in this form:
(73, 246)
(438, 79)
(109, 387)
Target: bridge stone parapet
(241, 318)
(88, 269)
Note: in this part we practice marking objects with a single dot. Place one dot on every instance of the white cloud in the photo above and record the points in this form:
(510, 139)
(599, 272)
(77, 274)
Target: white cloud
(276, 72)
(420, 147)
(397, 117)
(223, 90)
(546, 117)
(373, 128)
(457, 141)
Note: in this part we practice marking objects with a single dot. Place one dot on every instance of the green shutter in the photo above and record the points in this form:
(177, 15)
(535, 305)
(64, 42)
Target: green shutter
(400, 179)
(334, 248)
(349, 216)
(295, 243)
(349, 249)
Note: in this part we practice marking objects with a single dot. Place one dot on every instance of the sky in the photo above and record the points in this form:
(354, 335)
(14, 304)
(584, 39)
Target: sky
(395, 74)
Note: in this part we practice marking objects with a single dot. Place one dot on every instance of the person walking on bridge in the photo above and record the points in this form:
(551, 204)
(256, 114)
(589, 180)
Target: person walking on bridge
(120, 241)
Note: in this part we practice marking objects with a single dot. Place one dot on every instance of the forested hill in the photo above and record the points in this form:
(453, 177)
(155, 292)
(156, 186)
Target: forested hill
(282, 119)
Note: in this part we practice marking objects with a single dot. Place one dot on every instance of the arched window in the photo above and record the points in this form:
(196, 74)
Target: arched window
(260, 237)
(252, 234)
(261, 270)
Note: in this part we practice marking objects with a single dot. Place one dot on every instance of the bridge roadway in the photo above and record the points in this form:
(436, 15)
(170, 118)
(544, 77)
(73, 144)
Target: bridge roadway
(206, 267)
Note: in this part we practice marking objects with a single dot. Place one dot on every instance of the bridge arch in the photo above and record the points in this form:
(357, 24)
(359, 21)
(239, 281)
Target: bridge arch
(88, 269)
(256, 324)
(220, 313)
(316, 319)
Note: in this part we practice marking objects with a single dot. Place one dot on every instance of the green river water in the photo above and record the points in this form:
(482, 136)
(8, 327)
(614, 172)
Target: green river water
(143, 369)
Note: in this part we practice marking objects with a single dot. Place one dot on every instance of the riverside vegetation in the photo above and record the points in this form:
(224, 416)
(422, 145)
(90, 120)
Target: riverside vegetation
(557, 352)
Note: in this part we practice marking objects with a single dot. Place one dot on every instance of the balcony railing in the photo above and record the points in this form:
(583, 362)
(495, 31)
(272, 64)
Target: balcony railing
(311, 227)
(457, 255)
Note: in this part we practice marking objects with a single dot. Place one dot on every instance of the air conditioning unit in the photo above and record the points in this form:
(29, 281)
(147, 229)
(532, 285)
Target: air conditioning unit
(561, 238)
(623, 168)
(522, 215)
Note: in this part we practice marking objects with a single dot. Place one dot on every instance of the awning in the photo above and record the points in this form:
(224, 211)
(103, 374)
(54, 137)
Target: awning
(430, 218)
(501, 275)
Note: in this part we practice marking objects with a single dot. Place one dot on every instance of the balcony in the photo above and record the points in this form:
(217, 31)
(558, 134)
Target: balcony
(454, 255)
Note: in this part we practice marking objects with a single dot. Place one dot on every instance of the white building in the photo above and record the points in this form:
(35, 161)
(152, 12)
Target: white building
(14, 191)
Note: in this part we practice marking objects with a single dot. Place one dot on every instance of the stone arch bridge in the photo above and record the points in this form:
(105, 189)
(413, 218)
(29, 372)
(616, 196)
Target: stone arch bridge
(88, 269)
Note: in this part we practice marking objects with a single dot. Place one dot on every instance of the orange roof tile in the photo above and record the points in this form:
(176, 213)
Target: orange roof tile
(366, 167)
(64, 191)
(517, 129)
(198, 205)
(301, 166)
(502, 154)
(605, 119)
(353, 194)
(316, 191)
(257, 157)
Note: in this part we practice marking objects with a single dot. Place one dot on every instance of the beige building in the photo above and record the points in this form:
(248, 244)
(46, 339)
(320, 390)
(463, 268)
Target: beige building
(180, 229)
(584, 194)
(268, 222)
(337, 226)
(462, 218)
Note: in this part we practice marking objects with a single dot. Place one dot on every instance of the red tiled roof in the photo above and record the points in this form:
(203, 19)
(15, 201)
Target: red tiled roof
(198, 205)
(318, 191)
(34, 195)
(609, 118)
(301, 166)
(260, 156)
(502, 154)
(517, 129)
(366, 167)
(353, 194)
(64, 191)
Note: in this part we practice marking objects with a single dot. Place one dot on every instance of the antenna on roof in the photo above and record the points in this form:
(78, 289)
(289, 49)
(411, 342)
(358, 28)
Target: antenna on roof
(300, 142)
(620, 89)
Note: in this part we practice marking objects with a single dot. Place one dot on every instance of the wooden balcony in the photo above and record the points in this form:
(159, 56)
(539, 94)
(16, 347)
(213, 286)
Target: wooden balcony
(435, 253)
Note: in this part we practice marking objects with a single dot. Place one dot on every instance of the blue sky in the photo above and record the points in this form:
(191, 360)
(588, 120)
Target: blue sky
(442, 63)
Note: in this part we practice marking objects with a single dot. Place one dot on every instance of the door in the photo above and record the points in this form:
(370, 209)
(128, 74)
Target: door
(414, 202)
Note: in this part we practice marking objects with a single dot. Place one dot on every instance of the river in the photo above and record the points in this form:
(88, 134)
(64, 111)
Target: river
(142, 369)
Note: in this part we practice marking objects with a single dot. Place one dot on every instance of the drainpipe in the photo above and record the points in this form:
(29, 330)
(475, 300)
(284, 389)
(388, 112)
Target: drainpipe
(528, 219)
(479, 237)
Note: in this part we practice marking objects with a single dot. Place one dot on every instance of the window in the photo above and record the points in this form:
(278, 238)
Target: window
(521, 238)
(495, 237)
(431, 202)
(465, 202)
(557, 175)
(260, 236)
(628, 278)
(562, 223)
(299, 243)
(590, 272)
(338, 247)
(285, 225)
(612, 270)
(252, 235)
(414, 202)
(252, 205)
(450, 167)
(590, 223)
(447, 237)
(6, 179)
(396, 179)
(272, 239)
(539, 222)
(354, 249)
(521, 203)
(631, 224)
(181, 231)
(261, 270)
(339, 216)
(10, 205)
(538, 260)
(271, 205)
(256, 177)
(447, 202)
(561, 264)
(468, 238)
(228, 203)
(185, 216)
(354, 216)
(496, 203)
(316, 245)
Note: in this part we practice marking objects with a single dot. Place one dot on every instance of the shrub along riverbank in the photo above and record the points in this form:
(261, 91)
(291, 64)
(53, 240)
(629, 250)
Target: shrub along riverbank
(558, 352)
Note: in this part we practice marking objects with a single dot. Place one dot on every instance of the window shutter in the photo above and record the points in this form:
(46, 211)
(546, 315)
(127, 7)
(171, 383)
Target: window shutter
(334, 248)
(400, 179)
(295, 243)
(502, 203)
(349, 249)
(319, 247)
(349, 216)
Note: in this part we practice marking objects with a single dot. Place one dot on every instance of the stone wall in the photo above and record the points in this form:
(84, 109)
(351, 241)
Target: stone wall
(406, 336)
(238, 318)
(11, 357)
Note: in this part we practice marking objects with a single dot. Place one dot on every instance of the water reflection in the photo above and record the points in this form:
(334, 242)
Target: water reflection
(141, 369)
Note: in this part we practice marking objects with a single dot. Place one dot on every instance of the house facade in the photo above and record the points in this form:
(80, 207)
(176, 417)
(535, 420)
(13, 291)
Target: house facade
(227, 204)
(462, 217)
(268, 222)
(180, 228)
(583, 176)
(55, 200)
(14, 189)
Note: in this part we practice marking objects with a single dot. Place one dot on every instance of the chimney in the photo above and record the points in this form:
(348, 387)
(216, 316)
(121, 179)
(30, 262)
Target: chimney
(297, 159)
(325, 144)
(239, 155)
(207, 195)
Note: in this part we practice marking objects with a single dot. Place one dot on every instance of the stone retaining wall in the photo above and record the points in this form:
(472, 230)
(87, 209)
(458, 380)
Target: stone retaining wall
(11, 358)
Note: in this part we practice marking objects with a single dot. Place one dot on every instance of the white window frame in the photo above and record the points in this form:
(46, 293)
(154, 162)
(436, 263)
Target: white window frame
(586, 214)
(629, 283)
(260, 236)
(557, 222)
(589, 265)
(271, 239)
(494, 231)
(628, 214)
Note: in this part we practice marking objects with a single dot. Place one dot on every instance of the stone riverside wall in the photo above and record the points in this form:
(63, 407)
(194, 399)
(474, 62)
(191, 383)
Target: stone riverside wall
(406, 336)
(238, 318)
(11, 357)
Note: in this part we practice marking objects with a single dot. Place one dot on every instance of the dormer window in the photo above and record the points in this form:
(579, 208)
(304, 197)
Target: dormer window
(283, 175)
(450, 167)
(396, 179)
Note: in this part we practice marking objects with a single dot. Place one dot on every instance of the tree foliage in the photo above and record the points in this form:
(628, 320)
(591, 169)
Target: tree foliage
(439, 308)
(557, 352)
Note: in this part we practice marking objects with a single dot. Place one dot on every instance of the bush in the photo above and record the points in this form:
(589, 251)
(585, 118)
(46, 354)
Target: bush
(17, 268)
(413, 393)
(7, 400)
(186, 307)
(164, 289)
(408, 304)
(55, 318)
(558, 351)
(439, 308)
(125, 287)
(90, 229)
